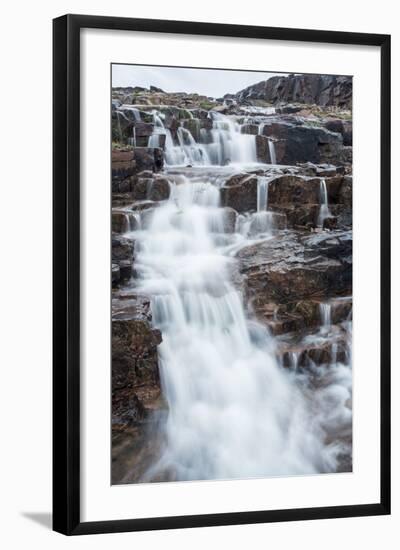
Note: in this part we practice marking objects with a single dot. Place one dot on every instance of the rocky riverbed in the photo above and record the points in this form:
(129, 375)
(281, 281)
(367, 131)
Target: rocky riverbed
(267, 174)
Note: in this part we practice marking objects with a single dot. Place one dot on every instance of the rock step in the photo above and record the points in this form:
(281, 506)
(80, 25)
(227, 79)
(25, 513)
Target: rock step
(301, 315)
(321, 348)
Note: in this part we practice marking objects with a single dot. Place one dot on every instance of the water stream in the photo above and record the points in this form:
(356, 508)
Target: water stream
(234, 412)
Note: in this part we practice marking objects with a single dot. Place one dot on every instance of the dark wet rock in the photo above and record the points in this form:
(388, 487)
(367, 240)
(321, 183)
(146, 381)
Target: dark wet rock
(333, 187)
(289, 109)
(148, 158)
(123, 164)
(121, 199)
(293, 190)
(240, 193)
(122, 248)
(303, 216)
(141, 205)
(338, 245)
(325, 170)
(344, 127)
(141, 188)
(159, 189)
(249, 129)
(143, 129)
(304, 143)
(293, 267)
(299, 316)
(314, 350)
(324, 90)
(346, 191)
(156, 188)
(115, 274)
(155, 89)
(135, 375)
(125, 269)
(123, 221)
(262, 149)
(346, 155)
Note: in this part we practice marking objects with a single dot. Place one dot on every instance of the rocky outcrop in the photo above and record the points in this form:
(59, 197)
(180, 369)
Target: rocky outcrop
(148, 158)
(240, 193)
(324, 90)
(296, 266)
(134, 357)
(302, 143)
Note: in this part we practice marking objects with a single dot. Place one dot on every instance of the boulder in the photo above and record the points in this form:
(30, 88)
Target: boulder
(123, 221)
(293, 190)
(123, 164)
(240, 193)
(148, 158)
(249, 129)
(293, 267)
(115, 274)
(301, 143)
(262, 149)
(345, 195)
(122, 248)
(151, 189)
(324, 90)
(344, 127)
(310, 352)
(134, 359)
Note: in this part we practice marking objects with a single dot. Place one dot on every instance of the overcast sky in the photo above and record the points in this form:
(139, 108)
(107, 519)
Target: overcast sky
(214, 83)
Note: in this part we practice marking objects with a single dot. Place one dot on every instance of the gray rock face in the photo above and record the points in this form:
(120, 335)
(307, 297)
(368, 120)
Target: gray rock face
(297, 266)
(148, 158)
(301, 143)
(324, 90)
(240, 193)
(134, 357)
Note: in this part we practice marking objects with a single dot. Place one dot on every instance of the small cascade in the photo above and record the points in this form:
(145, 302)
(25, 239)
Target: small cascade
(293, 357)
(194, 153)
(262, 193)
(221, 145)
(325, 311)
(324, 209)
(135, 112)
(219, 371)
(272, 153)
(132, 139)
(132, 221)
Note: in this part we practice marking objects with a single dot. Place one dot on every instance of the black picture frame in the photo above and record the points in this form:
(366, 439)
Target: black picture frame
(66, 273)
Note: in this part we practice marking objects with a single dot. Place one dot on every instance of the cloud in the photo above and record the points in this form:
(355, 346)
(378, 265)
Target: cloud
(210, 82)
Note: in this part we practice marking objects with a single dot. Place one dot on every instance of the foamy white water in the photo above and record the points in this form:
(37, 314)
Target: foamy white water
(234, 412)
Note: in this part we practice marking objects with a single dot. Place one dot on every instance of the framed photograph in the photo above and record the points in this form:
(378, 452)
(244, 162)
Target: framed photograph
(221, 342)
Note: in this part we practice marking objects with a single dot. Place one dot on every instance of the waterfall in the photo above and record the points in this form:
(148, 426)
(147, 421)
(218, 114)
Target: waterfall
(233, 411)
(294, 360)
(272, 154)
(325, 311)
(133, 110)
(221, 145)
(132, 140)
(324, 208)
(262, 193)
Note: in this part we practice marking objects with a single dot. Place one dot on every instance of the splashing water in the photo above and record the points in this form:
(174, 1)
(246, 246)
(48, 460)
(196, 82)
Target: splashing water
(324, 211)
(233, 411)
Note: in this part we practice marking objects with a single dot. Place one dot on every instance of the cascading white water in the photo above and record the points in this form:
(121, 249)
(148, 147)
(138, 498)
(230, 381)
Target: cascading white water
(325, 311)
(233, 411)
(272, 153)
(324, 211)
(262, 193)
(223, 144)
